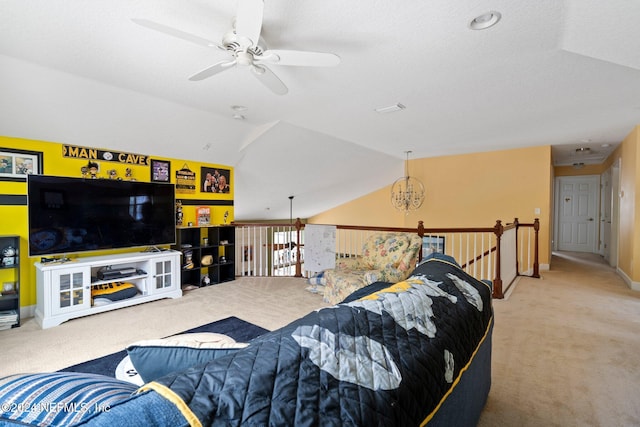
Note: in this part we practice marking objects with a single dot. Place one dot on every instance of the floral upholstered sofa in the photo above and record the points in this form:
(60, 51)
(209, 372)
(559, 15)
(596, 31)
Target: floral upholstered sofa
(386, 257)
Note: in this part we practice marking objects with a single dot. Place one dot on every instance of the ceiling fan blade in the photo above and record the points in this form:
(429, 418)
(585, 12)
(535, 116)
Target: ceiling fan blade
(175, 32)
(248, 21)
(269, 79)
(212, 70)
(299, 58)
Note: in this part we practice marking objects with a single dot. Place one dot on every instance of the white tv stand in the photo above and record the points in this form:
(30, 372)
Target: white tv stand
(64, 288)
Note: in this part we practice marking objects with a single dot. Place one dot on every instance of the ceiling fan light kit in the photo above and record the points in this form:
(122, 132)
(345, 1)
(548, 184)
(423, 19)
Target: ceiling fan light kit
(248, 48)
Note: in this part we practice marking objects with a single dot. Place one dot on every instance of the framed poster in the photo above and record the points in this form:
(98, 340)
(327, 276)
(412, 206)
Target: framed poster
(215, 180)
(160, 171)
(15, 165)
(431, 244)
(185, 180)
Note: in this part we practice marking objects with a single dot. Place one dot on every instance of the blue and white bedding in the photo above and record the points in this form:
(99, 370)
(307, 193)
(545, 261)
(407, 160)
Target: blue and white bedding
(416, 352)
(388, 358)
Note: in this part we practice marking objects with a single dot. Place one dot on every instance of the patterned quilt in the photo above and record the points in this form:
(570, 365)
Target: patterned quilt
(388, 358)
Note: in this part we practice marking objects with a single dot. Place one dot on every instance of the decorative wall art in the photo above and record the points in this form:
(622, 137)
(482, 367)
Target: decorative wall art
(185, 180)
(215, 180)
(15, 165)
(431, 244)
(160, 171)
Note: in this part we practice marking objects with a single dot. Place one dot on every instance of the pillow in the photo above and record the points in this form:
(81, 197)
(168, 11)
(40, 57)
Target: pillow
(153, 359)
(59, 398)
(318, 279)
(114, 291)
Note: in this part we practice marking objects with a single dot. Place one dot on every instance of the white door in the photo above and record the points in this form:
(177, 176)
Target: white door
(577, 206)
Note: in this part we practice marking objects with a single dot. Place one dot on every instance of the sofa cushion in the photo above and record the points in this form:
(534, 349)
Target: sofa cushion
(385, 250)
(153, 359)
(59, 398)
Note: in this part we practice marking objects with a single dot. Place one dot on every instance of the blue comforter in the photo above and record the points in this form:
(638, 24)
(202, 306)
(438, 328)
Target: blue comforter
(388, 358)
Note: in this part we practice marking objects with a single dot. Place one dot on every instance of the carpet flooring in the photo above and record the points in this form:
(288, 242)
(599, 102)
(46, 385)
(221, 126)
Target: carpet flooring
(233, 327)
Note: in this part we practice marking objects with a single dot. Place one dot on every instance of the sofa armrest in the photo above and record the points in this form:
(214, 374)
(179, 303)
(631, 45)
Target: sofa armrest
(391, 275)
(351, 263)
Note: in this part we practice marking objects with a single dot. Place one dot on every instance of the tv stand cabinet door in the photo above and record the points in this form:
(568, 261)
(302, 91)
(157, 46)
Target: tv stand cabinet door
(165, 274)
(70, 290)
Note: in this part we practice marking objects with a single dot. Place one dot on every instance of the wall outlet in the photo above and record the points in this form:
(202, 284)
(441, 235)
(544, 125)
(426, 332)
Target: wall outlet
(536, 211)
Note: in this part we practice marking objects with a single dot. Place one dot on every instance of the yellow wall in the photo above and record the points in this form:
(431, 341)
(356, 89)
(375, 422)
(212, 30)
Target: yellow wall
(373, 209)
(472, 190)
(629, 226)
(14, 217)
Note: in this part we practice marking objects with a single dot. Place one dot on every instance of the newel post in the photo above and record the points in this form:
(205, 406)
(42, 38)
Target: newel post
(421, 234)
(498, 229)
(298, 261)
(536, 262)
(517, 224)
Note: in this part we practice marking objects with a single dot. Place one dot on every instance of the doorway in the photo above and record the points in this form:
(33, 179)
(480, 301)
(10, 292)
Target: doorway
(576, 213)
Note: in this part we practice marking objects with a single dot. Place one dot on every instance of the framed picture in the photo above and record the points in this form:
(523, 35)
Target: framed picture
(215, 180)
(160, 171)
(431, 244)
(15, 165)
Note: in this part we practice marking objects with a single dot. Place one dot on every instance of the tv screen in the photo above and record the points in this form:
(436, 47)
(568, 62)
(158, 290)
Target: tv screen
(76, 214)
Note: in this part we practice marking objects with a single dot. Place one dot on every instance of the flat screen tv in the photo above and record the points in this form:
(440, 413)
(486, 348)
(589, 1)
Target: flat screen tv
(69, 215)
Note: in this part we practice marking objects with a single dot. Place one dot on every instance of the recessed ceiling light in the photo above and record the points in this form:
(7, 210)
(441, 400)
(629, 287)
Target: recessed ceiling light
(239, 108)
(391, 108)
(485, 20)
(583, 150)
(239, 117)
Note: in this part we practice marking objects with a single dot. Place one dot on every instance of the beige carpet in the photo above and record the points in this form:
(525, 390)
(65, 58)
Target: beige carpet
(267, 302)
(566, 347)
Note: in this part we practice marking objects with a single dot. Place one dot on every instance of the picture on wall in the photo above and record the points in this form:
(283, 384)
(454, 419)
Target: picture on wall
(160, 171)
(185, 180)
(15, 165)
(431, 244)
(215, 180)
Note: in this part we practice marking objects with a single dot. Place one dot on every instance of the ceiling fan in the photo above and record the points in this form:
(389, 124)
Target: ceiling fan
(247, 48)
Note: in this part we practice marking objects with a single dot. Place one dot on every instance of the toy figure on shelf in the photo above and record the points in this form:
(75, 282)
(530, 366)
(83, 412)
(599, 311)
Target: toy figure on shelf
(178, 212)
(113, 174)
(206, 281)
(226, 215)
(188, 260)
(93, 168)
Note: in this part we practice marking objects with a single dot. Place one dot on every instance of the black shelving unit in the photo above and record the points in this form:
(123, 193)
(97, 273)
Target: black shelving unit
(207, 251)
(9, 281)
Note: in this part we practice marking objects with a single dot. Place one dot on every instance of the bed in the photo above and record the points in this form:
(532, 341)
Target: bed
(417, 352)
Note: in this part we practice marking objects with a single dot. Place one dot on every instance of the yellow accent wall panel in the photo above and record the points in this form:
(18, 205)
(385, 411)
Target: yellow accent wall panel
(73, 161)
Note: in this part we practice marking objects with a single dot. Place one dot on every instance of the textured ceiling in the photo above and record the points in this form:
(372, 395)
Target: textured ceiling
(551, 72)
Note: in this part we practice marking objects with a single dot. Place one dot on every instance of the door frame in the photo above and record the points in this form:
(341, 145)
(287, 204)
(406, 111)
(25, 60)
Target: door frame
(556, 209)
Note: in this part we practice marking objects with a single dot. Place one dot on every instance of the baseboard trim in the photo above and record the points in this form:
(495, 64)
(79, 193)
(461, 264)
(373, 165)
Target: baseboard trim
(630, 283)
(27, 312)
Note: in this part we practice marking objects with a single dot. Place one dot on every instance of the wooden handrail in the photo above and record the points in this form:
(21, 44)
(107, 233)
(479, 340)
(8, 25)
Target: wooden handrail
(498, 230)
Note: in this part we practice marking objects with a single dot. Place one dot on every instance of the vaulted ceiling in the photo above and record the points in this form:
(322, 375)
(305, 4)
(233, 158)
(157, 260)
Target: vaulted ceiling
(564, 73)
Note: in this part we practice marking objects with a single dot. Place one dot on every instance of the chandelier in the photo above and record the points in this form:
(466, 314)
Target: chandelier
(407, 193)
